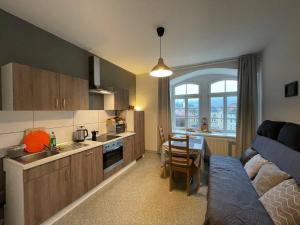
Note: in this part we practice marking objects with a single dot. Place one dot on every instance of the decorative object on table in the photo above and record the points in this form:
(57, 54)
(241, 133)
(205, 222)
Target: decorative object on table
(291, 89)
(80, 134)
(161, 69)
(204, 125)
(35, 141)
(131, 107)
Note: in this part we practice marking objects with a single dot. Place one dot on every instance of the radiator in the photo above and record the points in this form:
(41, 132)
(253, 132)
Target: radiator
(220, 146)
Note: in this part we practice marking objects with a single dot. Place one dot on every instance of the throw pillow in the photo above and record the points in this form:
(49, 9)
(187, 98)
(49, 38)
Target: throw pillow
(282, 203)
(247, 155)
(254, 164)
(267, 177)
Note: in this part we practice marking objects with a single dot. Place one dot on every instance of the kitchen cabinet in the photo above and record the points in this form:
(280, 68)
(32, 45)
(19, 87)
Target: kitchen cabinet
(17, 87)
(135, 121)
(119, 100)
(45, 90)
(66, 85)
(46, 190)
(86, 171)
(80, 94)
(29, 88)
(139, 129)
(128, 150)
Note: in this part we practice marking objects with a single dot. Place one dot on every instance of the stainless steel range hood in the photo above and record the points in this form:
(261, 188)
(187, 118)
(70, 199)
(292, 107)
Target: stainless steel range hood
(95, 77)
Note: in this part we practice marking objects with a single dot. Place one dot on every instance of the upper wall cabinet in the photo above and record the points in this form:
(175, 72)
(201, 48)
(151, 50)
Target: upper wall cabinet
(117, 101)
(28, 88)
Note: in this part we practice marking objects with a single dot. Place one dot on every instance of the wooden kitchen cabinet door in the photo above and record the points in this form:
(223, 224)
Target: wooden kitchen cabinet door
(66, 85)
(86, 171)
(121, 99)
(127, 150)
(139, 129)
(45, 90)
(22, 87)
(81, 94)
(46, 195)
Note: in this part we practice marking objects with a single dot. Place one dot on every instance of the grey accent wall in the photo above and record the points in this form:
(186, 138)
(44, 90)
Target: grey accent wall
(25, 43)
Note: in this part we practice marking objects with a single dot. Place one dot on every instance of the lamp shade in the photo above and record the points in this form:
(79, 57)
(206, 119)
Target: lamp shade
(161, 69)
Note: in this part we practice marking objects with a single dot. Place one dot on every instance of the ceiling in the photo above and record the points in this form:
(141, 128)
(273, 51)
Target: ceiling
(124, 31)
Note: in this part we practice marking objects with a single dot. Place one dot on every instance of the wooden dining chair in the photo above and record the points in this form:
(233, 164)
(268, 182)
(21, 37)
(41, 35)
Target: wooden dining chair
(179, 159)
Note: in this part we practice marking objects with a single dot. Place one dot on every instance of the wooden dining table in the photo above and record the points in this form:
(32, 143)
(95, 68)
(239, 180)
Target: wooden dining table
(197, 151)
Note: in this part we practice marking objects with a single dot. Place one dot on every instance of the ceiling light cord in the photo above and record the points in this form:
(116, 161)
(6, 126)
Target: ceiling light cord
(159, 47)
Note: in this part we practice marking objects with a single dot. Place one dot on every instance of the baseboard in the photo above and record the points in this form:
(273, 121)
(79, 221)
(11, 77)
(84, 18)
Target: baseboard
(70, 207)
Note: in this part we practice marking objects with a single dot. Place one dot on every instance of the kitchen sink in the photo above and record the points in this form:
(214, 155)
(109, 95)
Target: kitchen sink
(72, 146)
(35, 156)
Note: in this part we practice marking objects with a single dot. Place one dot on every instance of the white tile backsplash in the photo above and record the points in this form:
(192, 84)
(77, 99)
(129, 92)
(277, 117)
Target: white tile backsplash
(63, 123)
(7, 140)
(63, 134)
(102, 128)
(52, 119)
(104, 115)
(15, 121)
(85, 116)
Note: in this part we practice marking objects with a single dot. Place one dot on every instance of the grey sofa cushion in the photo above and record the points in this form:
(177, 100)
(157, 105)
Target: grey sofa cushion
(270, 129)
(289, 136)
(247, 155)
(232, 200)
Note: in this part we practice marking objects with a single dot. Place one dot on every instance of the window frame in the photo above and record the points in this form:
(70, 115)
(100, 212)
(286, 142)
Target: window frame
(185, 97)
(224, 95)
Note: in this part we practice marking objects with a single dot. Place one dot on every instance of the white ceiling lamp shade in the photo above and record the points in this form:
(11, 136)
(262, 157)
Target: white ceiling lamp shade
(161, 69)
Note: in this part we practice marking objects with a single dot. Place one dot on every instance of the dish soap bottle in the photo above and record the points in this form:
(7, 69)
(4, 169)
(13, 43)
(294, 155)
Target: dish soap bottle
(52, 140)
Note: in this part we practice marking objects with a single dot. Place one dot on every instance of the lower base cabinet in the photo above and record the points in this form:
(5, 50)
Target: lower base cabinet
(52, 186)
(128, 150)
(46, 190)
(86, 171)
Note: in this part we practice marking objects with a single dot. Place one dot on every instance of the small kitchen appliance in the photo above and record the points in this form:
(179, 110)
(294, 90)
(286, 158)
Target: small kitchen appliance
(80, 134)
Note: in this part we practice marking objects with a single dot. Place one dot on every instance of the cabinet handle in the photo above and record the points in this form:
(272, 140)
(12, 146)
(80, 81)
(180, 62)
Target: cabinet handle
(88, 153)
(57, 103)
(64, 103)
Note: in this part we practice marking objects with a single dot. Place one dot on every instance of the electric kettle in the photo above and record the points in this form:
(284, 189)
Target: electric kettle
(80, 134)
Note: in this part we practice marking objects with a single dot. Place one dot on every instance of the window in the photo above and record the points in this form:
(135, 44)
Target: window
(186, 106)
(223, 105)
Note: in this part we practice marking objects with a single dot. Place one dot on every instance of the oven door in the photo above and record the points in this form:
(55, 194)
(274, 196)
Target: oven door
(112, 158)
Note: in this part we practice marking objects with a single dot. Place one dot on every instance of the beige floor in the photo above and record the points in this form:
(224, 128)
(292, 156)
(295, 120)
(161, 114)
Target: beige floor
(140, 197)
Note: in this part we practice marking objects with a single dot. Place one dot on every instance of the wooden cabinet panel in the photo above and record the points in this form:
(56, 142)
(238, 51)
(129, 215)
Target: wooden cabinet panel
(128, 150)
(46, 195)
(22, 87)
(86, 171)
(66, 85)
(29, 88)
(45, 90)
(81, 94)
(139, 129)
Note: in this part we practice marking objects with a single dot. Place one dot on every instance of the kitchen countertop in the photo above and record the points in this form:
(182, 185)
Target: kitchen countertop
(62, 154)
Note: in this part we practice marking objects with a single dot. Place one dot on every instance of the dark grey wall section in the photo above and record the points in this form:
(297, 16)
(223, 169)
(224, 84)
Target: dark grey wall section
(25, 43)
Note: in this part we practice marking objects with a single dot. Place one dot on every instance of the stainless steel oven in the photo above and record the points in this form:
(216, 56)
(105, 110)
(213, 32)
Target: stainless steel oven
(112, 155)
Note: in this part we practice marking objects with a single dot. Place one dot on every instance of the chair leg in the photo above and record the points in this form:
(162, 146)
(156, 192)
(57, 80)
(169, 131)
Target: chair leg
(188, 178)
(171, 177)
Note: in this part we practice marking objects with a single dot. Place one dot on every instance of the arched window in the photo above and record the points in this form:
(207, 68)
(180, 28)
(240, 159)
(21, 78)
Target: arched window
(186, 106)
(223, 105)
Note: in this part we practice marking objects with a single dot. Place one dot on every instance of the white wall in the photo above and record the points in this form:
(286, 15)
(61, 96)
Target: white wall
(147, 99)
(63, 123)
(281, 61)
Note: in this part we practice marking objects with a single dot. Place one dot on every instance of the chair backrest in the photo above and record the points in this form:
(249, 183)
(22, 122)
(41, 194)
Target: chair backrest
(179, 146)
(161, 135)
